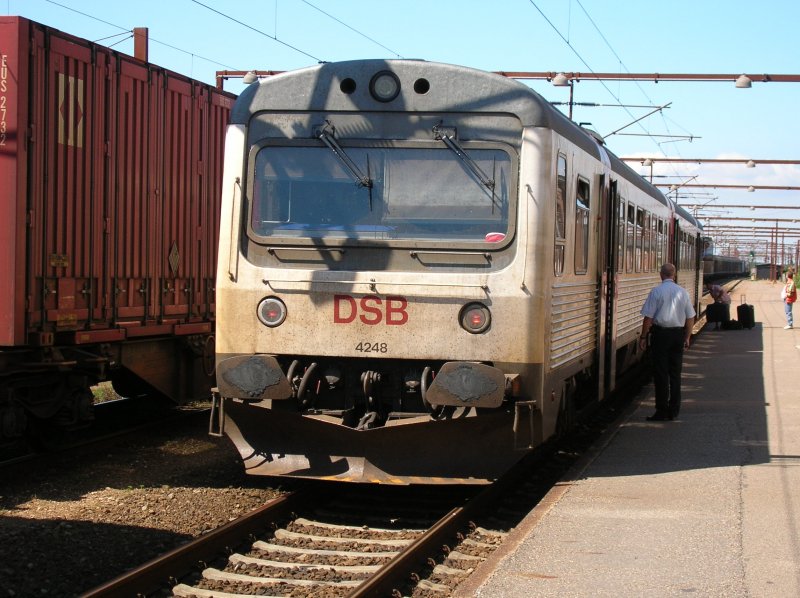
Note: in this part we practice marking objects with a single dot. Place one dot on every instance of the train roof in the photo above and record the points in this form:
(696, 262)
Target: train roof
(684, 213)
(310, 89)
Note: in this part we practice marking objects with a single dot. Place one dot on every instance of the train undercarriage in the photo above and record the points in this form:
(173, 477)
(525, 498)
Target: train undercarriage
(46, 392)
(373, 421)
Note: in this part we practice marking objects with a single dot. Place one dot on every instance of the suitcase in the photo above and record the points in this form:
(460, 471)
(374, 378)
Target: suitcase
(746, 314)
(718, 312)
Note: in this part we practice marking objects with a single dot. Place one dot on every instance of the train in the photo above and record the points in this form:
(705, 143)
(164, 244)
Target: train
(425, 272)
(111, 171)
(721, 267)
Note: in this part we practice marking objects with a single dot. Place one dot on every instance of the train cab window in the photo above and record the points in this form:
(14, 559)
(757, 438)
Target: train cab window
(303, 192)
(582, 226)
(621, 236)
(560, 216)
(630, 234)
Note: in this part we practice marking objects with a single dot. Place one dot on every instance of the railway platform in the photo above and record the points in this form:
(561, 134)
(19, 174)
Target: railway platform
(707, 505)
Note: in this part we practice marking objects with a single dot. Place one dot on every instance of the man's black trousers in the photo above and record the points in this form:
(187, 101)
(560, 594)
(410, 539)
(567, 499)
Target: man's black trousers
(667, 348)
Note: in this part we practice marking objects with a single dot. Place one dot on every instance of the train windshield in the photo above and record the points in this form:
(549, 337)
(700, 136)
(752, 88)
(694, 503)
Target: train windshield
(414, 193)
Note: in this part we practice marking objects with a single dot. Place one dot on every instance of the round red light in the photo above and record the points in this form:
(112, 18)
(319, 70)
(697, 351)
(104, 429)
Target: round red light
(271, 311)
(475, 318)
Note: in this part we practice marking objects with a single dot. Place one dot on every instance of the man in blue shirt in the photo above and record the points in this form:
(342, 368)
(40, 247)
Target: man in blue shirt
(669, 316)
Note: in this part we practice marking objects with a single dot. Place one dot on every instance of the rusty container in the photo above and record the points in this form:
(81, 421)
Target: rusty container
(110, 174)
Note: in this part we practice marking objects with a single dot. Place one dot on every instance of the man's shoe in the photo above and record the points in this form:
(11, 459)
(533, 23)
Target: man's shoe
(659, 417)
(788, 327)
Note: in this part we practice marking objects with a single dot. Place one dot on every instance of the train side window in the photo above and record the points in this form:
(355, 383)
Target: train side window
(686, 250)
(621, 236)
(688, 260)
(629, 237)
(639, 229)
(660, 246)
(646, 266)
(654, 244)
(682, 258)
(560, 216)
(582, 226)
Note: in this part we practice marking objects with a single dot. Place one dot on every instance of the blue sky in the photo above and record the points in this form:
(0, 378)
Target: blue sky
(679, 36)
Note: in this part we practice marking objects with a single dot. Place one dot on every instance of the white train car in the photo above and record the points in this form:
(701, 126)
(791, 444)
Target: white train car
(425, 271)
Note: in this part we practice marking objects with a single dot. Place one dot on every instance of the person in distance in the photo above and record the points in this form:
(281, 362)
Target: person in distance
(722, 299)
(668, 318)
(789, 295)
(718, 294)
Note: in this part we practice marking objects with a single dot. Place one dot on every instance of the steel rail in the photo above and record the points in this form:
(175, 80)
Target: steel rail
(390, 580)
(155, 574)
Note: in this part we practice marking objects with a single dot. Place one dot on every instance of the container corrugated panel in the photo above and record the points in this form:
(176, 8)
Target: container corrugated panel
(111, 173)
(13, 180)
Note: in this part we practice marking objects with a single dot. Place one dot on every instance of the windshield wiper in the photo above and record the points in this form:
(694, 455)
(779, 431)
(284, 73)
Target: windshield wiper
(325, 134)
(448, 136)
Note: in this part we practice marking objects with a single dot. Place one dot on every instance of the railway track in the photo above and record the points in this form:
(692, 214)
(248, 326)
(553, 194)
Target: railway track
(344, 540)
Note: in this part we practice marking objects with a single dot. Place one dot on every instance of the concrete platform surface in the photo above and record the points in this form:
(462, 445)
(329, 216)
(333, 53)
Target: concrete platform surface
(707, 505)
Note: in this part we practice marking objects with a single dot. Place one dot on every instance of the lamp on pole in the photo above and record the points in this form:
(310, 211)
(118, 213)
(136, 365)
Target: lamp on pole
(561, 80)
(649, 162)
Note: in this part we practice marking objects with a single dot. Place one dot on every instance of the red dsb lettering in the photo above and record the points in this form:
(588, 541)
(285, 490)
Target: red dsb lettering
(377, 316)
(396, 315)
(338, 318)
(370, 310)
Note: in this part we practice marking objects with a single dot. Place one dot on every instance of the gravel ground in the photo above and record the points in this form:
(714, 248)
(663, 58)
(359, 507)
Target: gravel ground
(69, 525)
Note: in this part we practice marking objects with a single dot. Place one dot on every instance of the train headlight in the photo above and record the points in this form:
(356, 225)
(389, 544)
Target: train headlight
(475, 318)
(384, 86)
(271, 312)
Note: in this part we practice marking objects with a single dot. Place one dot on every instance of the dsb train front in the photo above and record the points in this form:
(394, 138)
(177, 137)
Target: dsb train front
(384, 290)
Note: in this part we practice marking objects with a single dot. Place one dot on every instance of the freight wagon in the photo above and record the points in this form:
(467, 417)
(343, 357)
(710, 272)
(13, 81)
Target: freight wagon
(109, 215)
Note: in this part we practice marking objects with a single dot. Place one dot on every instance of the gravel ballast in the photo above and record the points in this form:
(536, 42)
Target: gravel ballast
(75, 522)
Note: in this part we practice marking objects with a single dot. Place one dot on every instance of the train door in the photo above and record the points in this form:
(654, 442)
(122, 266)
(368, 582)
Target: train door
(698, 269)
(607, 267)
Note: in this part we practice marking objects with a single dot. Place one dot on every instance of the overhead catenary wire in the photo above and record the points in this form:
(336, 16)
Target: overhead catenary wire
(126, 32)
(353, 29)
(578, 54)
(130, 30)
(641, 89)
(124, 39)
(272, 37)
(641, 126)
